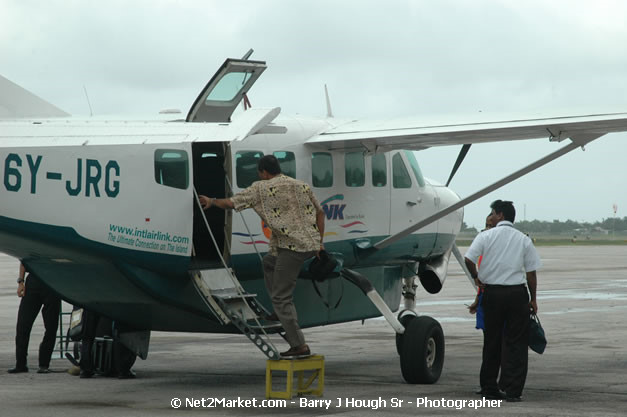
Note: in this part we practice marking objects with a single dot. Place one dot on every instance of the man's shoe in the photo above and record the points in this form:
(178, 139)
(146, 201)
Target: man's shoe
(494, 395)
(272, 317)
(513, 399)
(86, 374)
(127, 375)
(302, 350)
(18, 370)
(43, 370)
(479, 391)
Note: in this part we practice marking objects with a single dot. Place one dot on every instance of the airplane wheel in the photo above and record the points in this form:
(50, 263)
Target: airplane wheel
(399, 337)
(422, 352)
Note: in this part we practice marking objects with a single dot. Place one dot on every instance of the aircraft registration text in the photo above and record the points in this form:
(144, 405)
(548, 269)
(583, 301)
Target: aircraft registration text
(22, 172)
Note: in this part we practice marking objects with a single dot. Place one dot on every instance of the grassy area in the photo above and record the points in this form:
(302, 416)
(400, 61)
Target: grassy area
(562, 241)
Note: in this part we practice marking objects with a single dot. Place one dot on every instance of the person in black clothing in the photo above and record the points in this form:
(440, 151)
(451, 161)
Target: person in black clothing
(35, 294)
(122, 357)
(508, 272)
(90, 325)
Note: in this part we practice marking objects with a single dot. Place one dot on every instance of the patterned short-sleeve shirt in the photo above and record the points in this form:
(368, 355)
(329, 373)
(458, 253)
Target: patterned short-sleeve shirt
(288, 207)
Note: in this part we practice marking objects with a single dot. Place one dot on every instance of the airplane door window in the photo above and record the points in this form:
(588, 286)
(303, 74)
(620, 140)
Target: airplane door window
(172, 168)
(354, 168)
(287, 162)
(400, 175)
(379, 170)
(246, 167)
(228, 86)
(322, 169)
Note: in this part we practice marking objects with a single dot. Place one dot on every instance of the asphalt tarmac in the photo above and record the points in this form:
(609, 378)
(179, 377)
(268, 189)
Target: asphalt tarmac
(582, 304)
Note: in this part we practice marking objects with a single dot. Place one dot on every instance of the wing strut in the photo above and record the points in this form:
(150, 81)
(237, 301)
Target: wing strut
(461, 203)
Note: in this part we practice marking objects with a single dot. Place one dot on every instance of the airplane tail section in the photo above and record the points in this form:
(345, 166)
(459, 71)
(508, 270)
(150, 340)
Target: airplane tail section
(17, 102)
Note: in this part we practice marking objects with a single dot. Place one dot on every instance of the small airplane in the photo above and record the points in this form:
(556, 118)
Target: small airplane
(106, 212)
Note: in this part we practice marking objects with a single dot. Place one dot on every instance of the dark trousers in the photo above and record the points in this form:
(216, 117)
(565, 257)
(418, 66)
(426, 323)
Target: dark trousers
(37, 295)
(506, 328)
(96, 325)
(90, 326)
(280, 273)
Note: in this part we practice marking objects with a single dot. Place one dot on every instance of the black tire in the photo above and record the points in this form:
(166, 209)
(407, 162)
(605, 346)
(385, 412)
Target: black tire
(123, 358)
(399, 337)
(422, 353)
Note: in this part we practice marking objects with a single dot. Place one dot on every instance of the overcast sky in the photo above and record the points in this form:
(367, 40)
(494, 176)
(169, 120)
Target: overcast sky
(380, 59)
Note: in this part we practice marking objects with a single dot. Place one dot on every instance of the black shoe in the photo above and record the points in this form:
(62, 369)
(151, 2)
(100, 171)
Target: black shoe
(43, 370)
(513, 399)
(296, 352)
(493, 395)
(18, 370)
(272, 317)
(86, 374)
(127, 375)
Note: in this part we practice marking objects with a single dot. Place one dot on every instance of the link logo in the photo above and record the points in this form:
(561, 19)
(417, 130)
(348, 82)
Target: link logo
(334, 211)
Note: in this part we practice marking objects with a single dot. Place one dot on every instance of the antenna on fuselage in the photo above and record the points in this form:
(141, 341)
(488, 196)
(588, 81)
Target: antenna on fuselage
(91, 113)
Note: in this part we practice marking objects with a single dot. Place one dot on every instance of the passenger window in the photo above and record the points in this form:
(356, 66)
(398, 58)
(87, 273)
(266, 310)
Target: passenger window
(287, 162)
(400, 175)
(379, 170)
(355, 169)
(246, 167)
(321, 169)
(172, 168)
(415, 167)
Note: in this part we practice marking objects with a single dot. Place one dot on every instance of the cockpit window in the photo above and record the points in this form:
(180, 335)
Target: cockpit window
(172, 168)
(400, 175)
(411, 157)
(228, 86)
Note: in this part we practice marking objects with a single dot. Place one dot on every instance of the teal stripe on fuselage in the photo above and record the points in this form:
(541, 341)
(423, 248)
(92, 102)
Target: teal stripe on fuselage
(24, 239)
(412, 248)
(154, 291)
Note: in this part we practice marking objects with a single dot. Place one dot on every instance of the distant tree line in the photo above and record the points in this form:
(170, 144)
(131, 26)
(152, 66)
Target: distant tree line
(566, 227)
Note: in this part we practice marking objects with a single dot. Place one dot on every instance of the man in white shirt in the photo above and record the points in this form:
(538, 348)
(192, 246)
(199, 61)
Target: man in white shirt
(509, 262)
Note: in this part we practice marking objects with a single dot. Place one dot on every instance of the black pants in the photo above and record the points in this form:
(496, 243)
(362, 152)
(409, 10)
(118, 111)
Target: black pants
(90, 327)
(95, 325)
(37, 295)
(506, 311)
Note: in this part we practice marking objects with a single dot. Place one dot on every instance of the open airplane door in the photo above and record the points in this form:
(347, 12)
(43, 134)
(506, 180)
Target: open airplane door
(222, 94)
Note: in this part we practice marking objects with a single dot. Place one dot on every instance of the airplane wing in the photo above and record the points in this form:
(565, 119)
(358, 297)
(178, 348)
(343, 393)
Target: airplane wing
(16, 102)
(414, 134)
(49, 132)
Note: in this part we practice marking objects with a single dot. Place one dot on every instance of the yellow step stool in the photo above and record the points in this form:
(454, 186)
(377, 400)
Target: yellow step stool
(313, 363)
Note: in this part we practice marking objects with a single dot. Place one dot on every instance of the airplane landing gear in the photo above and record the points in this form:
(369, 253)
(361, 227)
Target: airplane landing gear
(421, 345)
(421, 350)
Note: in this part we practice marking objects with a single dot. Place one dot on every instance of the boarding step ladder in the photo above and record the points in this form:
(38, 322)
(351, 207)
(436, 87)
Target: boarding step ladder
(231, 304)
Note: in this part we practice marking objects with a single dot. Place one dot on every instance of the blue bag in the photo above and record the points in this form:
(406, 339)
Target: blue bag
(480, 322)
(537, 338)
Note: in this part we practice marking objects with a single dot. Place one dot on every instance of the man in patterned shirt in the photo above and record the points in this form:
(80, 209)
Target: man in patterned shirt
(294, 215)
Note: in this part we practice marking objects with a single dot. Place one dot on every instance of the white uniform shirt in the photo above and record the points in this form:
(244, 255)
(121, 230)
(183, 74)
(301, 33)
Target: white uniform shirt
(507, 255)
